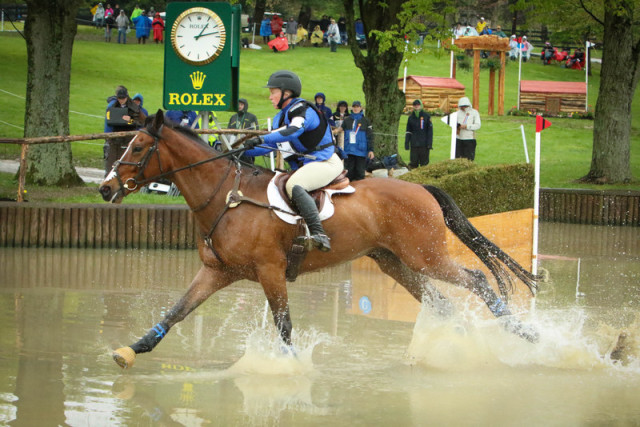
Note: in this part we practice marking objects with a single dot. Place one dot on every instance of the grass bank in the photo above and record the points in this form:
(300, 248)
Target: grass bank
(98, 67)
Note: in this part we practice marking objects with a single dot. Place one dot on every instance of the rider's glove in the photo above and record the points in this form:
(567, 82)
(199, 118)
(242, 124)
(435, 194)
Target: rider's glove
(252, 142)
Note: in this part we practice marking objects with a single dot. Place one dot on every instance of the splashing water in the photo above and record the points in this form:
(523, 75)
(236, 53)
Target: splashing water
(467, 341)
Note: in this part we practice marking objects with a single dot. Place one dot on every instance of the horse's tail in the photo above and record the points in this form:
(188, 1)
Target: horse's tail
(488, 252)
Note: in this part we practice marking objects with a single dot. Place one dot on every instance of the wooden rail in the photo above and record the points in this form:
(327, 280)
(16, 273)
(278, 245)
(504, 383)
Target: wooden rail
(172, 226)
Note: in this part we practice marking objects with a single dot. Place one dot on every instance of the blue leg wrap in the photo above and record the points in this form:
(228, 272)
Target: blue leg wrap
(499, 308)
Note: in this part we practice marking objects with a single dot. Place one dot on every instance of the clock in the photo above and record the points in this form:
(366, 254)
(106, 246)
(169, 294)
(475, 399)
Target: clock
(198, 36)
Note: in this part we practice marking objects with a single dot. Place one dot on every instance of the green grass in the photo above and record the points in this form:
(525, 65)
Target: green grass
(98, 67)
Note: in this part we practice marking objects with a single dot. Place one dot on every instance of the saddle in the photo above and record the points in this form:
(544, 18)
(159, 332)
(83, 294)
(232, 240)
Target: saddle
(340, 183)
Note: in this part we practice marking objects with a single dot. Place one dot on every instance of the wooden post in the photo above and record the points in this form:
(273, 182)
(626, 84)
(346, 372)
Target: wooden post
(492, 89)
(453, 69)
(23, 172)
(476, 79)
(501, 84)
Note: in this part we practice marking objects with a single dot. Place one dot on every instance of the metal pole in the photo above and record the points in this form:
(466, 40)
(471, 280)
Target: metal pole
(452, 60)
(272, 158)
(536, 207)
(524, 141)
(586, 75)
(519, 73)
(404, 80)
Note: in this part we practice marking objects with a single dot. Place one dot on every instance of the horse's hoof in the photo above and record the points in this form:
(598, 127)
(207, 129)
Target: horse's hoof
(124, 357)
(522, 330)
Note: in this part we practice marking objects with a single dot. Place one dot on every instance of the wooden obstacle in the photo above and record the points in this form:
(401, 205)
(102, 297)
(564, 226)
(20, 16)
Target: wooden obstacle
(434, 92)
(487, 43)
(553, 97)
(511, 231)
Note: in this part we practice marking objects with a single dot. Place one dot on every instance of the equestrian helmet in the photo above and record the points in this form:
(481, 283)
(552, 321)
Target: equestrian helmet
(285, 80)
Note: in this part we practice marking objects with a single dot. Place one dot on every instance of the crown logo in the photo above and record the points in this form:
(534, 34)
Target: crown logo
(197, 79)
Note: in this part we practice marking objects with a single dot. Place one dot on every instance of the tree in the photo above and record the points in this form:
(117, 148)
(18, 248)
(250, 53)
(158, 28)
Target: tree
(50, 28)
(616, 21)
(610, 160)
(384, 101)
(387, 26)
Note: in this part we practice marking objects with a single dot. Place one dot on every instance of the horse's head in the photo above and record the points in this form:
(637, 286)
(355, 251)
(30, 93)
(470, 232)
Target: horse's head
(140, 161)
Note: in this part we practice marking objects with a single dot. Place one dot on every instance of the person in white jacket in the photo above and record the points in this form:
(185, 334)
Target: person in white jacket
(333, 35)
(468, 124)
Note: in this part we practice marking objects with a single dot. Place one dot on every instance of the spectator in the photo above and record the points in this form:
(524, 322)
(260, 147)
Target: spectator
(359, 27)
(358, 142)
(419, 136)
(116, 11)
(324, 23)
(333, 35)
(279, 44)
(185, 118)
(547, 53)
(122, 22)
(109, 23)
(122, 114)
(212, 120)
(481, 25)
(243, 119)
(301, 35)
(158, 28)
(143, 27)
(458, 31)
(276, 25)
(304, 138)
(470, 31)
(139, 101)
(513, 45)
(98, 17)
(576, 60)
(342, 112)
(265, 29)
(468, 123)
(292, 28)
(499, 32)
(525, 49)
(342, 26)
(320, 100)
(316, 36)
(137, 11)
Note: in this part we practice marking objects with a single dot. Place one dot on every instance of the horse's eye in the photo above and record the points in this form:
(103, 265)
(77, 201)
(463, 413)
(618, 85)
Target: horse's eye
(137, 149)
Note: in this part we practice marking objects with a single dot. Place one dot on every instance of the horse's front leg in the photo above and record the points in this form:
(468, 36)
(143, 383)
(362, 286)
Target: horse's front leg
(206, 282)
(272, 279)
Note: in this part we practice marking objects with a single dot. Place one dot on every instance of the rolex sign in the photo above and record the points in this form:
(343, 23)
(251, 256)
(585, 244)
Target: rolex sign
(201, 56)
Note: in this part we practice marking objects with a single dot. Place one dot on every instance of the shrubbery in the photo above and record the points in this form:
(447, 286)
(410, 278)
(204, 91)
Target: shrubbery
(479, 190)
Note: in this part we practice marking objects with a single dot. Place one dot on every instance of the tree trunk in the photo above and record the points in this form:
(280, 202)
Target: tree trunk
(258, 13)
(610, 162)
(49, 29)
(384, 100)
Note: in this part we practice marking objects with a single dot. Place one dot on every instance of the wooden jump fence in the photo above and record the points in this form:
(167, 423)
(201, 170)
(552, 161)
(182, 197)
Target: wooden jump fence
(172, 226)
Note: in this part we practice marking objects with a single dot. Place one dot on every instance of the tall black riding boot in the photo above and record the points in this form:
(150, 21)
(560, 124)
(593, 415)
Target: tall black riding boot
(308, 210)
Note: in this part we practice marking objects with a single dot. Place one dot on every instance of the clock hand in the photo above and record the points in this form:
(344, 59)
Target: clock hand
(208, 34)
(200, 35)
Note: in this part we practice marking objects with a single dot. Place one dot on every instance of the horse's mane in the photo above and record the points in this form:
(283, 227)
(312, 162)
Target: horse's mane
(194, 136)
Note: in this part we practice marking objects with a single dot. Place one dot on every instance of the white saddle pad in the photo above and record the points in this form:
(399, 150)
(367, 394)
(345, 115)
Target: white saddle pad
(291, 217)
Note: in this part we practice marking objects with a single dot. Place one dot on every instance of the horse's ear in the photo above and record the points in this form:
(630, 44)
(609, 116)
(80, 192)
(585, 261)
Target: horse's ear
(158, 120)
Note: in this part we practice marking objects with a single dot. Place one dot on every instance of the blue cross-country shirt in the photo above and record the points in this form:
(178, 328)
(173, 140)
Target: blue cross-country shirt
(299, 119)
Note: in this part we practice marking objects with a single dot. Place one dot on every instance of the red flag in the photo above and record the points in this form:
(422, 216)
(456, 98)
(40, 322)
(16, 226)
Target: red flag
(541, 123)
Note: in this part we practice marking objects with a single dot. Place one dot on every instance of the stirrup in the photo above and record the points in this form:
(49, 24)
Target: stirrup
(321, 242)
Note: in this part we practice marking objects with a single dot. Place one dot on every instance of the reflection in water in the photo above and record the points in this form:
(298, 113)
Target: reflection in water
(62, 311)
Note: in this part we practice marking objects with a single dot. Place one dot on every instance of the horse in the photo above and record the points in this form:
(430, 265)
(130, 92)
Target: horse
(398, 224)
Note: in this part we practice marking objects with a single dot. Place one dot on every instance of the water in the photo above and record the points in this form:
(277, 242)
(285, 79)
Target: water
(63, 311)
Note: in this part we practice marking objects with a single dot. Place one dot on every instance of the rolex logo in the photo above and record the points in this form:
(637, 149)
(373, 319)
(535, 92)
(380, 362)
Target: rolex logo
(197, 79)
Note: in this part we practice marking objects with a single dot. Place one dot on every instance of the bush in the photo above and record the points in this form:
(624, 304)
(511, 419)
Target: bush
(479, 190)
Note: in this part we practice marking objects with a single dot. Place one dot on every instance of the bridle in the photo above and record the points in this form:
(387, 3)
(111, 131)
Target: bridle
(139, 180)
(141, 165)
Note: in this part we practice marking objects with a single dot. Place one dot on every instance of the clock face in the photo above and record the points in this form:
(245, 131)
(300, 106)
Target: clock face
(198, 36)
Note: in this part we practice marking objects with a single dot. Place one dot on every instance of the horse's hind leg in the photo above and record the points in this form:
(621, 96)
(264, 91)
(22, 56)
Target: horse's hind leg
(476, 282)
(417, 284)
(206, 282)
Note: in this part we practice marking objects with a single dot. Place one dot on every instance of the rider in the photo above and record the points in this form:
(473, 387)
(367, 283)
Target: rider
(304, 138)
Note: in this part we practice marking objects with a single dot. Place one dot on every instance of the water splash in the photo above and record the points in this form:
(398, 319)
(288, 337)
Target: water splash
(569, 339)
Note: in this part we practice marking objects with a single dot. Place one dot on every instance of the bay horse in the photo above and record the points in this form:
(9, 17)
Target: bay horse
(398, 224)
